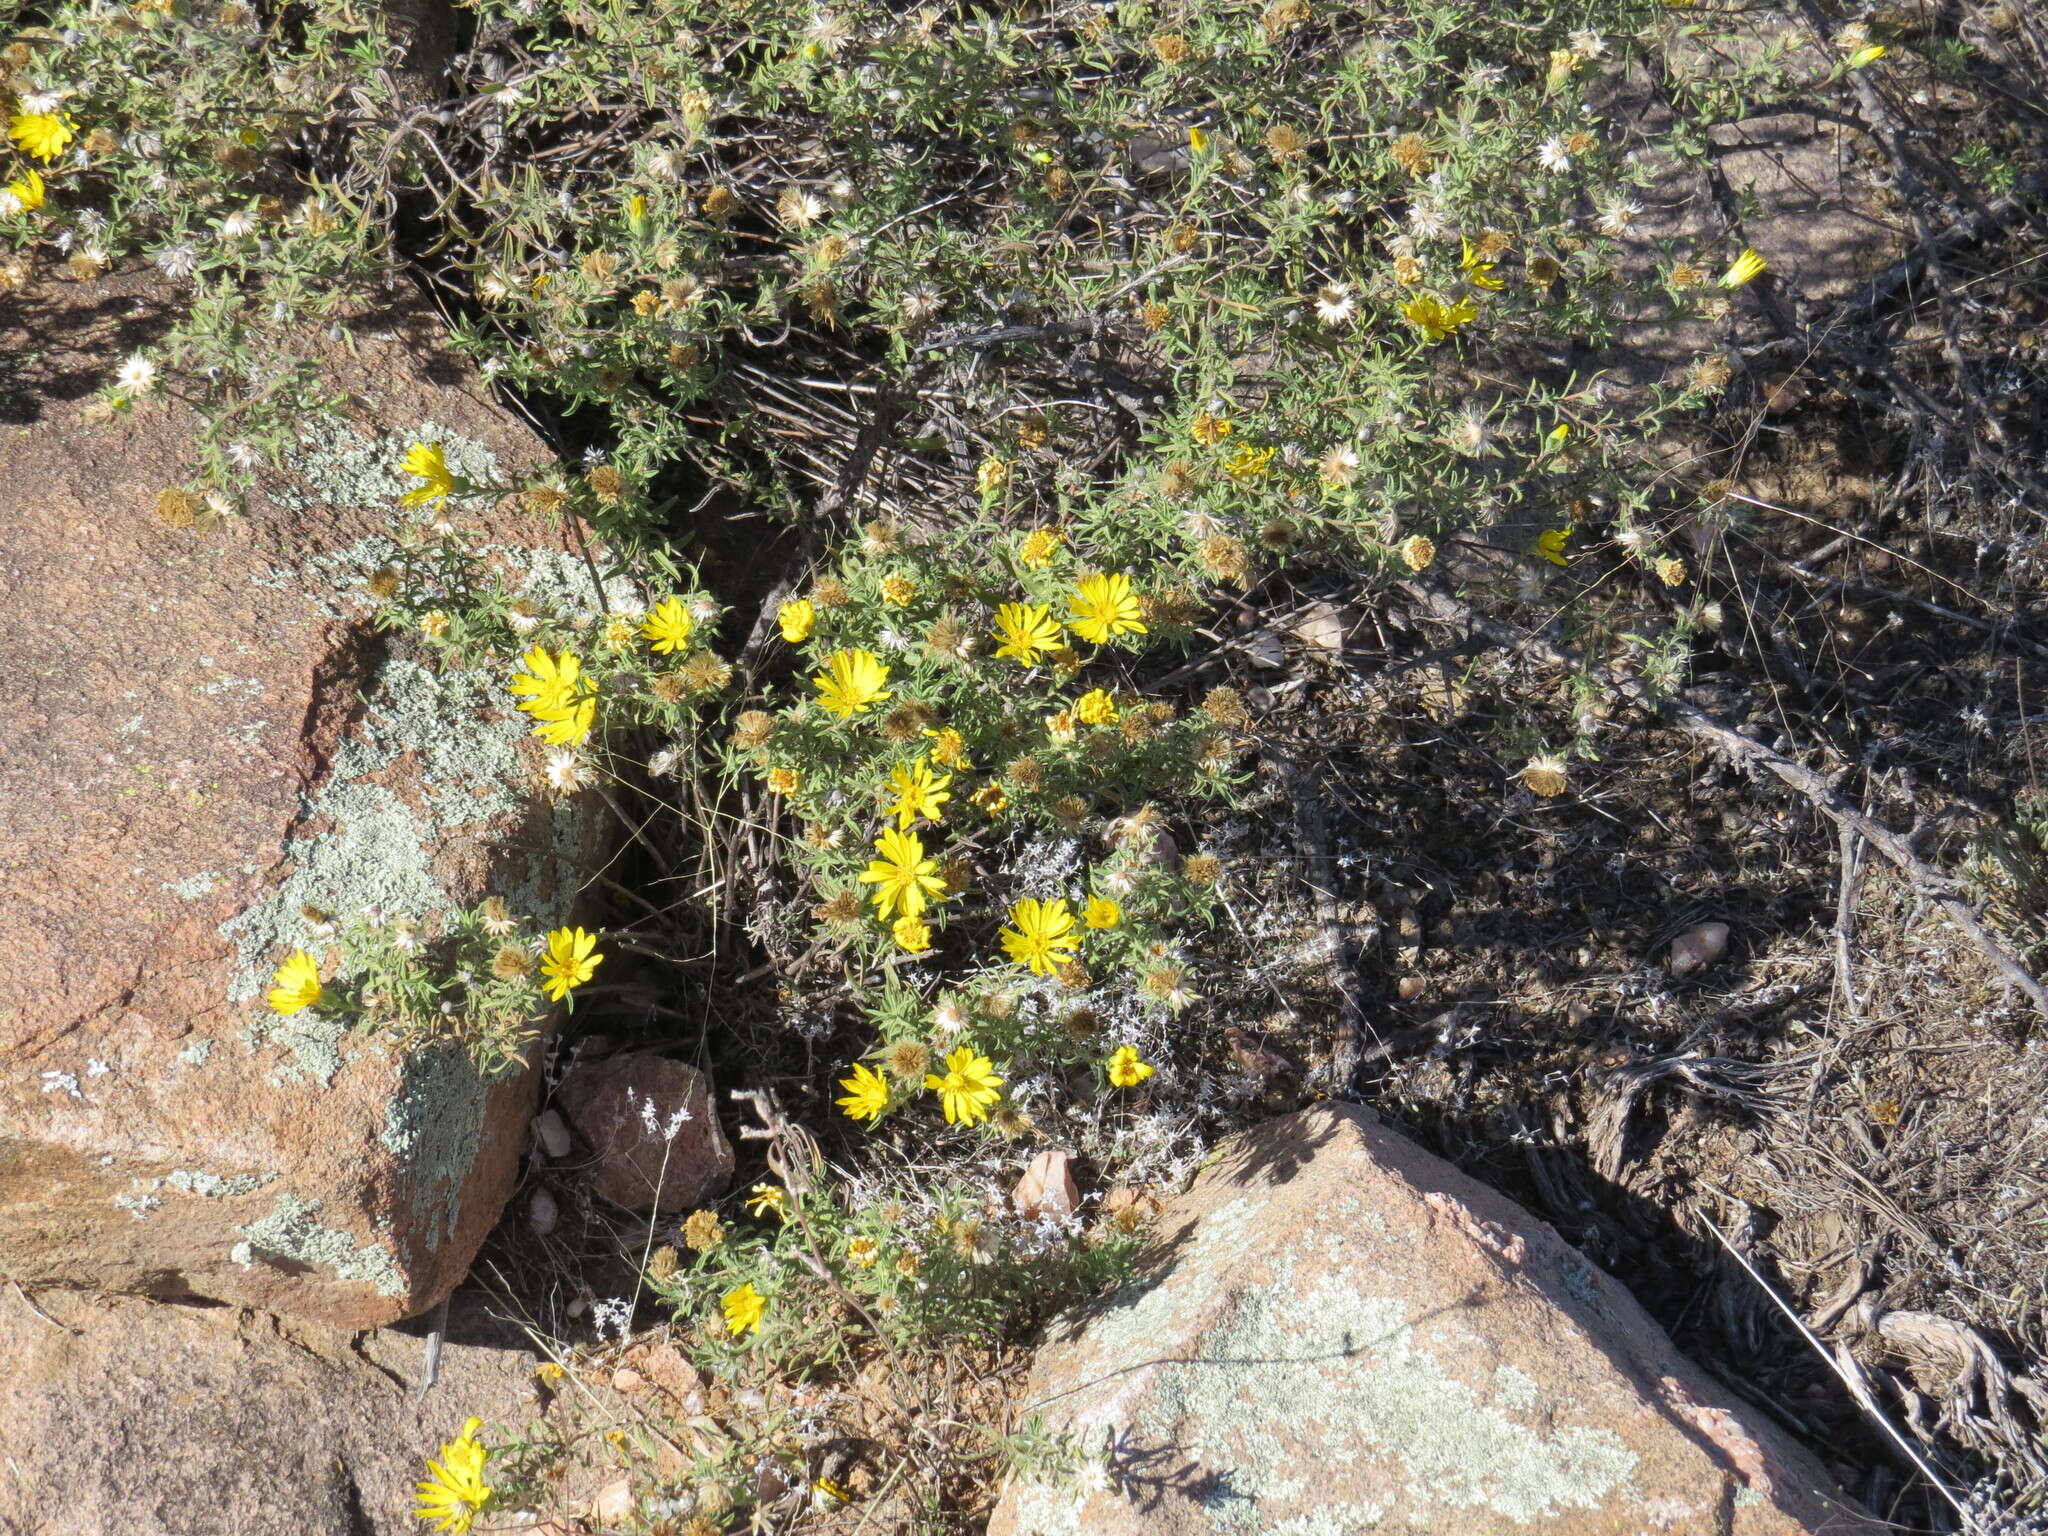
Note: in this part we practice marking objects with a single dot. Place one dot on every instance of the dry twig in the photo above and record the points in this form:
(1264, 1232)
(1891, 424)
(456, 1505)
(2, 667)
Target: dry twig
(1929, 882)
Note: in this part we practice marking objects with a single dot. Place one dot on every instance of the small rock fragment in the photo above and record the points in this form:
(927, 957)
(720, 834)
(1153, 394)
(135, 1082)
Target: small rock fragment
(1698, 947)
(627, 1380)
(613, 1504)
(1047, 1188)
(1324, 627)
(552, 1134)
(1409, 988)
(666, 1367)
(543, 1213)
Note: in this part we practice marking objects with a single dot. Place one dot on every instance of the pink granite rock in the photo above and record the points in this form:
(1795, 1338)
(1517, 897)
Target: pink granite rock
(653, 1134)
(1342, 1333)
(208, 737)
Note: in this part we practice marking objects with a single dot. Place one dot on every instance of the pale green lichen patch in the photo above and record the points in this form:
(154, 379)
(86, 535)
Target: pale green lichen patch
(192, 887)
(195, 1054)
(1263, 1384)
(373, 850)
(213, 1186)
(290, 1232)
(435, 1123)
(343, 467)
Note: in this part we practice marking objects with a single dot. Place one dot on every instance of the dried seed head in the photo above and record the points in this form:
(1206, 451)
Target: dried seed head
(177, 508)
(1226, 558)
(383, 583)
(1174, 607)
(1279, 534)
(1071, 812)
(1011, 1122)
(754, 728)
(703, 1231)
(950, 639)
(1201, 869)
(1171, 48)
(605, 483)
(1284, 142)
(662, 1264)
(1545, 775)
(1417, 552)
(830, 592)
(670, 688)
(907, 1060)
(906, 722)
(510, 963)
(704, 672)
(842, 907)
(1226, 707)
(1026, 775)
(1177, 480)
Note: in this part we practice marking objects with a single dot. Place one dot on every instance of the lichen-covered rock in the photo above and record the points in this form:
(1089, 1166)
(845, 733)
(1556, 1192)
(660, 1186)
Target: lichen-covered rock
(208, 738)
(132, 1416)
(654, 1138)
(1342, 1333)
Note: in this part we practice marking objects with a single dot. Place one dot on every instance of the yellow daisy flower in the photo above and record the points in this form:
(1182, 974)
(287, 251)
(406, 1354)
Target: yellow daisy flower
(297, 984)
(763, 1198)
(967, 1088)
(1746, 268)
(1026, 630)
(1478, 270)
(455, 1492)
(867, 1094)
(743, 1307)
(1103, 607)
(569, 961)
(430, 464)
(1436, 318)
(1101, 912)
(1126, 1069)
(28, 191)
(669, 627)
(42, 134)
(919, 793)
(1095, 707)
(798, 618)
(1039, 546)
(851, 681)
(1042, 935)
(904, 879)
